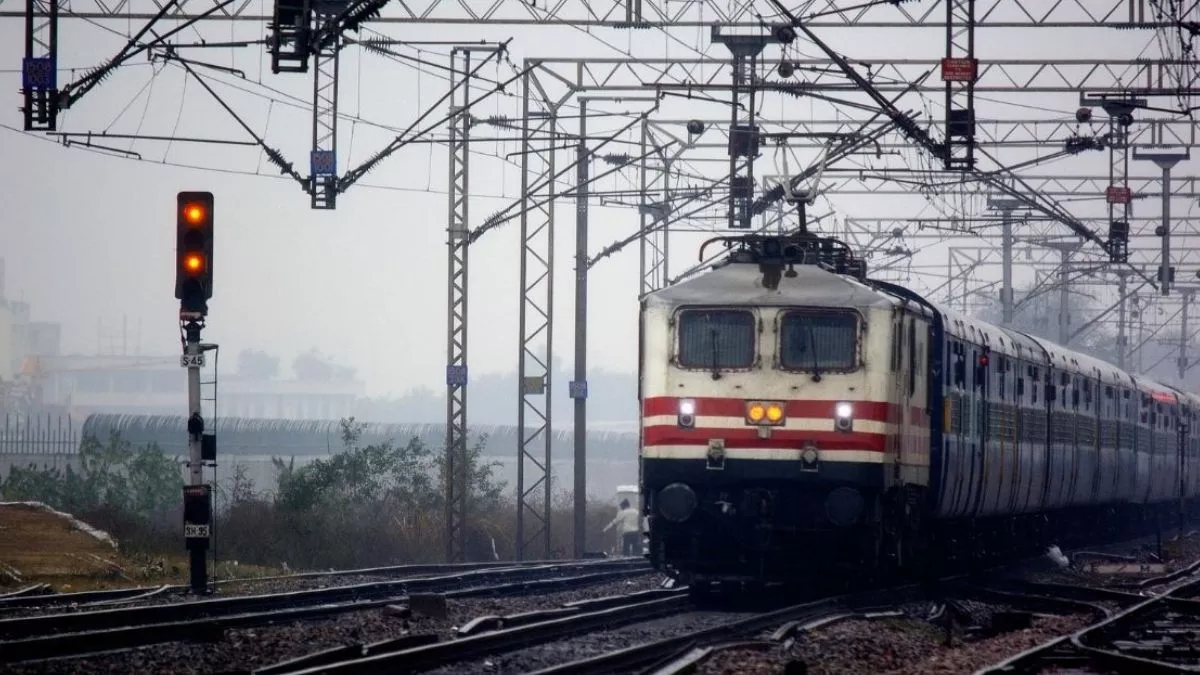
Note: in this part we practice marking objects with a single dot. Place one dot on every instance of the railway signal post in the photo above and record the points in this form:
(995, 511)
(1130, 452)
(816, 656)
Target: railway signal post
(193, 288)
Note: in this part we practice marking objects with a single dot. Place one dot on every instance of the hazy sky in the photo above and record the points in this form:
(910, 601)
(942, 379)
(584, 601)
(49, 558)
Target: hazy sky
(88, 236)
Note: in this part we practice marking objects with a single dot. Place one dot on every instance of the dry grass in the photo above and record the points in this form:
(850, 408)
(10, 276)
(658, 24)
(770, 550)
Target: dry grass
(38, 545)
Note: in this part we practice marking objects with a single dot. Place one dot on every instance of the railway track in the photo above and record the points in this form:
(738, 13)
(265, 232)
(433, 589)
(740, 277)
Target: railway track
(478, 641)
(623, 616)
(686, 652)
(68, 634)
(1158, 634)
(43, 596)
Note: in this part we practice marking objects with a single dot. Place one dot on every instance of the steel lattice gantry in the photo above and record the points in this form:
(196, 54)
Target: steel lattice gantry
(39, 68)
(959, 75)
(1018, 133)
(323, 175)
(825, 14)
(539, 131)
(457, 467)
(1143, 77)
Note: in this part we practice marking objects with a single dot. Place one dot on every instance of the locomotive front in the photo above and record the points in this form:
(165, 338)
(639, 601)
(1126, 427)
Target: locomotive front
(765, 422)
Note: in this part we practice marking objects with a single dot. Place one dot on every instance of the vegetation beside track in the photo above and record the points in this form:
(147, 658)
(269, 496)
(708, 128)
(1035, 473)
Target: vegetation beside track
(366, 505)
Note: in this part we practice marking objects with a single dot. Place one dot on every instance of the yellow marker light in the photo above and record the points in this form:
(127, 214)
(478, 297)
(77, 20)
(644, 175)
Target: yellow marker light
(193, 262)
(774, 412)
(756, 412)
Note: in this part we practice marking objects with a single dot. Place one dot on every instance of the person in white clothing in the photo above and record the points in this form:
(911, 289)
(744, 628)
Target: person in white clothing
(629, 528)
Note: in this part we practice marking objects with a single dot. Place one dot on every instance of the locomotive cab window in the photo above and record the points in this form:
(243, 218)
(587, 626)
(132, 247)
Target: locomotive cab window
(716, 339)
(818, 340)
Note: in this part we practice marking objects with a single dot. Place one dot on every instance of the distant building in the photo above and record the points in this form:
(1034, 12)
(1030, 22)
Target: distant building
(134, 385)
(37, 378)
(22, 343)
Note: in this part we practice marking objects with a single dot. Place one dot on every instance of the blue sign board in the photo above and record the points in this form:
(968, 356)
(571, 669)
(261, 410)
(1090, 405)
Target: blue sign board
(456, 376)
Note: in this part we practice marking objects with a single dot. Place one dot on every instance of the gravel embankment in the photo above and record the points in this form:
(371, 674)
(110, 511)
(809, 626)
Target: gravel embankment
(889, 647)
(250, 648)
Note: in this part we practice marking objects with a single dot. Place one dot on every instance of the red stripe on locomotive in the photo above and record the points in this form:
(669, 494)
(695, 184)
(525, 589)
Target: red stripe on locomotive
(780, 438)
(876, 411)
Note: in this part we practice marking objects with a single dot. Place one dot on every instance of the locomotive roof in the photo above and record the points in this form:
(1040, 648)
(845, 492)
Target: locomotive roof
(741, 284)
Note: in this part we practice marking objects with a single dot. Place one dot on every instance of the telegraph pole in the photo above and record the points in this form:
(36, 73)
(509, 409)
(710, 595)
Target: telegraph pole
(193, 288)
(1165, 161)
(1122, 335)
(1006, 207)
(1182, 361)
(1184, 422)
(578, 386)
(743, 122)
(1065, 249)
(1064, 301)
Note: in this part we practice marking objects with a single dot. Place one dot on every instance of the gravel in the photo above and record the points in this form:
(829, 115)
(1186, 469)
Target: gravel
(1144, 550)
(591, 644)
(889, 647)
(256, 647)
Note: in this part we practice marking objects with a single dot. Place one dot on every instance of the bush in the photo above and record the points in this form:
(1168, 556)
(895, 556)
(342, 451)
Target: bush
(133, 493)
(367, 505)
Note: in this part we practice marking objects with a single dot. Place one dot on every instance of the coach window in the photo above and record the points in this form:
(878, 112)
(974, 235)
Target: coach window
(818, 341)
(716, 339)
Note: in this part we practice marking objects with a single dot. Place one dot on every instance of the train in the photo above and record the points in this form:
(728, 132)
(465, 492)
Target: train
(799, 417)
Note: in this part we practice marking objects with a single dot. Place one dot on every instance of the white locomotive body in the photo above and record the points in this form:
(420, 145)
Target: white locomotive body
(813, 418)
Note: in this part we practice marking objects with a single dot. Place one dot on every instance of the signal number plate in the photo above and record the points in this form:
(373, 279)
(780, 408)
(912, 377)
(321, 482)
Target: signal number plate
(191, 531)
(191, 361)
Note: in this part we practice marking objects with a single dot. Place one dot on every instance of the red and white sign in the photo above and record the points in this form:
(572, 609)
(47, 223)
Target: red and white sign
(1117, 194)
(959, 70)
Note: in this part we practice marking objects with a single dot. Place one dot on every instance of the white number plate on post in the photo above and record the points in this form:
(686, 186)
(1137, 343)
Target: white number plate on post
(190, 361)
(191, 531)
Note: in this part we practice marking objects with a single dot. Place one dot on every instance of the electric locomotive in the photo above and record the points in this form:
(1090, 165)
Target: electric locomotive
(798, 417)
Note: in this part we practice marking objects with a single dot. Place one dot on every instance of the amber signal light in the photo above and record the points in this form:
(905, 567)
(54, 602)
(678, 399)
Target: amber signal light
(194, 214)
(193, 263)
(194, 250)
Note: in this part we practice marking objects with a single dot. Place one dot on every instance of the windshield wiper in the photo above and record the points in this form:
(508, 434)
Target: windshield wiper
(812, 341)
(716, 371)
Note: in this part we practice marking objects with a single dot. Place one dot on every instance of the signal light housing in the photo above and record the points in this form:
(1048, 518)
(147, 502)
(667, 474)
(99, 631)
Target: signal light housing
(766, 413)
(193, 250)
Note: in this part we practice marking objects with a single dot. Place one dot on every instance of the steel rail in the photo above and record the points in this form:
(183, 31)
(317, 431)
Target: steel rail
(378, 658)
(110, 638)
(21, 627)
(1074, 648)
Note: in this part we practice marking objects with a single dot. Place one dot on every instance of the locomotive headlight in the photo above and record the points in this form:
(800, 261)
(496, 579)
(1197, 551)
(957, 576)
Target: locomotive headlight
(843, 418)
(755, 412)
(765, 412)
(774, 413)
(687, 413)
